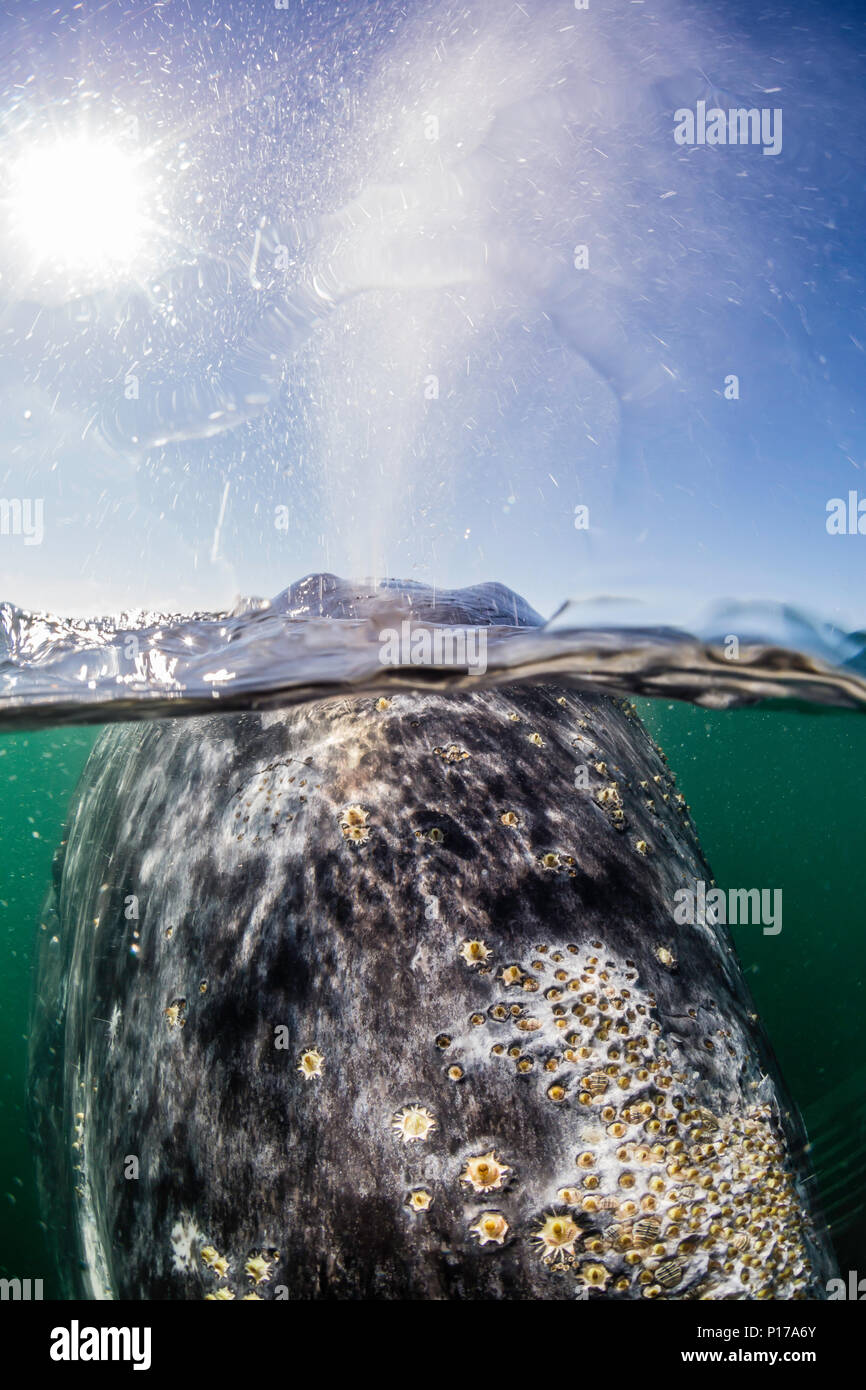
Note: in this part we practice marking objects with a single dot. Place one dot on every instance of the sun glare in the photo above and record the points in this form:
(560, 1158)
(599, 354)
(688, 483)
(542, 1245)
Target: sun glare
(76, 205)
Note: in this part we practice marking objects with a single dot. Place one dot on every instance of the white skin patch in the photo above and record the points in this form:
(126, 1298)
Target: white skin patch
(185, 1236)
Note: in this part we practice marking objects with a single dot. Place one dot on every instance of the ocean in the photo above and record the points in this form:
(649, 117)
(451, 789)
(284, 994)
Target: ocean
(775, 792)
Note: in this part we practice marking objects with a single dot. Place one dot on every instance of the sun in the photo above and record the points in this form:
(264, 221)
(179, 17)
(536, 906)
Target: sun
(76, 206)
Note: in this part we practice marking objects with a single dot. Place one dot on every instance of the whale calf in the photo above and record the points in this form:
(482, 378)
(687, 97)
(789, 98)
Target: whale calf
(386, 998)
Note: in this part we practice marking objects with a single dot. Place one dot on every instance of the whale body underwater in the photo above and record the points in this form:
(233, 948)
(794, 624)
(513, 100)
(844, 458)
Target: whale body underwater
(386, 998)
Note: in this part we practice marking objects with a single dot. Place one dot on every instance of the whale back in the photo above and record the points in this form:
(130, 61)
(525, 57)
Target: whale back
(386, 998)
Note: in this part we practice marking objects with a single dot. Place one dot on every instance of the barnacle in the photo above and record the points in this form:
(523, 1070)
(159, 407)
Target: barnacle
(569, 1196)
(218, 1263)
(670, 1272)
(537, 740)
(221, 1296)
(594, 1276)
(174, 1013)
(353, 823)
(642, 847)
(666, 957)
(645, 1232)
(452, 754)
(258, 1269)
(491, 1226)
(413, 1122)
(311, 1064)
(556, 1235)
(609, 796)
(475, 952)
(550, 861)
(484, 1172)
(419, 1199)
(510, 818)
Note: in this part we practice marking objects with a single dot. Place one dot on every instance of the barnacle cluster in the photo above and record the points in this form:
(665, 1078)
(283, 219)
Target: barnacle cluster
(609, 795)
(215, 1261)
(353, 824)
(258, 1269)
(610, 799)
(175, 1013)
(668, 1196)
(707, 1208)
(452, 754)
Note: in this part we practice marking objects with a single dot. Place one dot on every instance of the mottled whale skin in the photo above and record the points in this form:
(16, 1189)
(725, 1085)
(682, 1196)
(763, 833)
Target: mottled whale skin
(404, 1012)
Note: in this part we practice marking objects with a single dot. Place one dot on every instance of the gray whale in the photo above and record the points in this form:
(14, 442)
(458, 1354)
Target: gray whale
(385, 998)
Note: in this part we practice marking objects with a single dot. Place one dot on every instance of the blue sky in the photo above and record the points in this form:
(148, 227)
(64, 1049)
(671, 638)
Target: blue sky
(453, 385)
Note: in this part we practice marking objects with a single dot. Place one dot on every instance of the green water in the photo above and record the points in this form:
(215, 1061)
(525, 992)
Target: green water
(38, 773)
(777, 800)
(776, 797)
